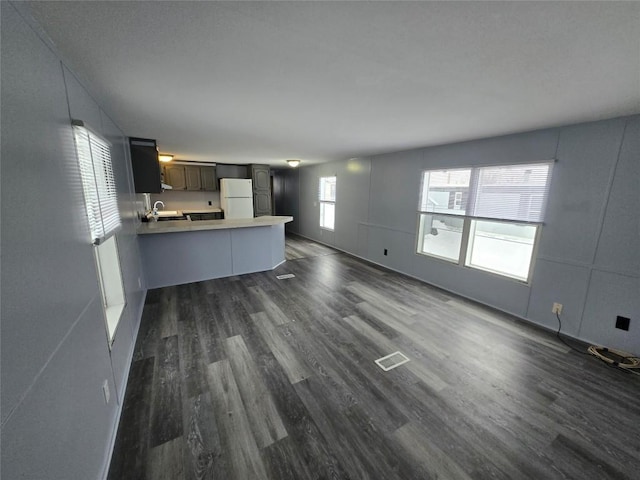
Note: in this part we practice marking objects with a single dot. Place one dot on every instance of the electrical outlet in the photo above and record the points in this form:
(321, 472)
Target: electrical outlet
(209, 202)
(557, 308)
(105, 390)
(385, 251)
(139, 282)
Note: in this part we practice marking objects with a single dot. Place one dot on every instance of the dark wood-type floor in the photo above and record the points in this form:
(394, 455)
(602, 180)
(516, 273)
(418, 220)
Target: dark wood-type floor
(251, 377)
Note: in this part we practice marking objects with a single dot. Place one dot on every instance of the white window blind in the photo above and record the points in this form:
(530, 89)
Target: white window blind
(327, 192)
(98, 184)
(445, 191)
(509, 192)
(512, 192)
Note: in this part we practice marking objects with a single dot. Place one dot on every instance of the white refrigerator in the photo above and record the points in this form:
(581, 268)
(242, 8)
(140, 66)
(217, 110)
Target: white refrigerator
(236, 197)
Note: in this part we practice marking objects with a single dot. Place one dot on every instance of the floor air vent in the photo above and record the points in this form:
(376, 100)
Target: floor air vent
(285, 276)
(392, 361)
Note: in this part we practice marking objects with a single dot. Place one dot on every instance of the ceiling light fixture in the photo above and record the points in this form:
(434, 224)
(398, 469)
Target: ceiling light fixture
(293, 163)
(165, 157)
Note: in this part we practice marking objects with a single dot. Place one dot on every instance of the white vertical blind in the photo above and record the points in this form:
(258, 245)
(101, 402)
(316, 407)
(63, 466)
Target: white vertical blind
(98, 183)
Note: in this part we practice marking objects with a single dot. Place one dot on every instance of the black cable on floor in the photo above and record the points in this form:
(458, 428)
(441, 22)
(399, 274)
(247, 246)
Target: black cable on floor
(563, 341)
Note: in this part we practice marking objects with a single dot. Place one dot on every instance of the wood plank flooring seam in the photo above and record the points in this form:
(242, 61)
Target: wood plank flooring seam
(264, 417)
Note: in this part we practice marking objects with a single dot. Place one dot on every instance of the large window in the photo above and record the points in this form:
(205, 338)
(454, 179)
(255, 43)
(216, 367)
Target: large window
(327, 198)
(101, 202)
(484, 217)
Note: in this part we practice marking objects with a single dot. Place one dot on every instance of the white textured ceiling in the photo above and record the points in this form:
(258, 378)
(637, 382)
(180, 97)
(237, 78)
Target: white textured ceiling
(242, 82)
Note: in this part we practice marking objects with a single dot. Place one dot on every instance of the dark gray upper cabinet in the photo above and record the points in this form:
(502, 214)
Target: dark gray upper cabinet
(192, 175)
(208, 179)
(261, 179)
(231, 171)
(174, 175)
(145, 165)
(260, 176)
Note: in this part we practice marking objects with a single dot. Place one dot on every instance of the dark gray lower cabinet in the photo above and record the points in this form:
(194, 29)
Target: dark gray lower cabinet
(206, 216)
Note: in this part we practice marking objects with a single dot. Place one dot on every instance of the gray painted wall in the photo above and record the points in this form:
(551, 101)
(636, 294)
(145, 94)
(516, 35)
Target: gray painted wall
(588, 257)
(55, 356)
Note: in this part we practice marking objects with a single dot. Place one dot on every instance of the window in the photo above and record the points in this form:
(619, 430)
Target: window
(110, 277)
(327, 202)
(98, 183)
(484, 217)
(101, 202)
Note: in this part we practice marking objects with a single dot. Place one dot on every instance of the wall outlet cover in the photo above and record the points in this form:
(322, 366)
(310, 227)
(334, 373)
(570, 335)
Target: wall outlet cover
(622, 323)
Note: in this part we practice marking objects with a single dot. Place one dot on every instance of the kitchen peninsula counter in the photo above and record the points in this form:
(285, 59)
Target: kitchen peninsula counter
(182, 251)
(191, 226)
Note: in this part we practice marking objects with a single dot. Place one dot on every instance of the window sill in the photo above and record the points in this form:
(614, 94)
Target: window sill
(454, 263)
(437, 257)
(498, 274)
(113, 314)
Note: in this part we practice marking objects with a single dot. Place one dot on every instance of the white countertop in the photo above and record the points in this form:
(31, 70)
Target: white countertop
(170, 226)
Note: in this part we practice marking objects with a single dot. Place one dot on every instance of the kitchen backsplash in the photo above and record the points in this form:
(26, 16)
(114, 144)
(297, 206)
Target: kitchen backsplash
(182, 200)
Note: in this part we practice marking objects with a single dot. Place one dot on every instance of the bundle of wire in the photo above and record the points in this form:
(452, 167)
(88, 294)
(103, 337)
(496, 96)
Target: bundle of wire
(615, 358)
(612, 357)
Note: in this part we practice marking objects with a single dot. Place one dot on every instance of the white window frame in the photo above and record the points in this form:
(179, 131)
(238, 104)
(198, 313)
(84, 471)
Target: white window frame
(324, 201)
(114, 300)
(469, 221)
(103, 216)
